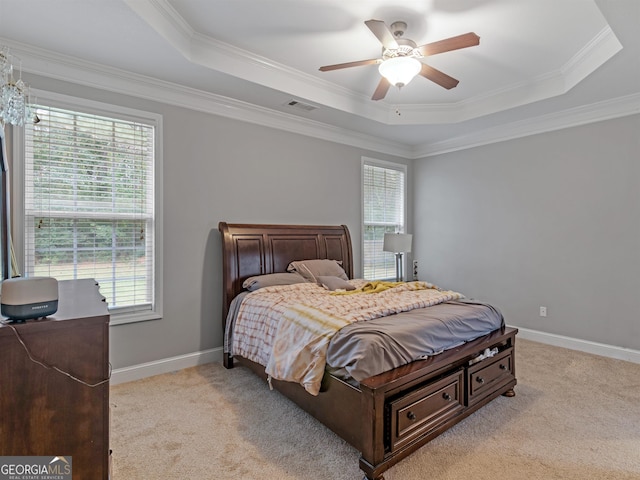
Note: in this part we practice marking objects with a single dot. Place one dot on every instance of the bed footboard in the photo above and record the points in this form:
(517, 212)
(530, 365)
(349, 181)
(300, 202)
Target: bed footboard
(393, 414)
(411, 405)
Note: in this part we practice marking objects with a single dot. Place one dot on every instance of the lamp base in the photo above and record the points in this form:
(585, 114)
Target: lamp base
(399, 272)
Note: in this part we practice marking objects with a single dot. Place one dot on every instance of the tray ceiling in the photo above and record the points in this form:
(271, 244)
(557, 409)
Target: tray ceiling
(536, 57)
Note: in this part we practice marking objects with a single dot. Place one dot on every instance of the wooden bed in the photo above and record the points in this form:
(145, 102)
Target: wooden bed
(390, 415)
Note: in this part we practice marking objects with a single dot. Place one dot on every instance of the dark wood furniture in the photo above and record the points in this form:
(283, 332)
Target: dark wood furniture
(45, 412)
(390, 415)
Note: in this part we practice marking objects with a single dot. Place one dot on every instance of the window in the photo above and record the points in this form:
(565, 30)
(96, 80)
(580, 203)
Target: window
(383, 207)
(90, 207)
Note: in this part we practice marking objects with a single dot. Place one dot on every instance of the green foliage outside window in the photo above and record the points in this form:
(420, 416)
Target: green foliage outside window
(89, 202)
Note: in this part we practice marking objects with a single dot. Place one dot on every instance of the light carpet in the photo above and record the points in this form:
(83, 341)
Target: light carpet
(574, 416)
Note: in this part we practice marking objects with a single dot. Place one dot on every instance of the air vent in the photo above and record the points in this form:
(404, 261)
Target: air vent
(300, 105)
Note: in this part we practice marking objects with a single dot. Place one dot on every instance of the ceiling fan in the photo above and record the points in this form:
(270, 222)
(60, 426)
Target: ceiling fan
(400, 60)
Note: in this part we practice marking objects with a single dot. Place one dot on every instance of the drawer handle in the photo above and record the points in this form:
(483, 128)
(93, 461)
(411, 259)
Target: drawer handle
(503, 366)
(480, 380)
(446, 396)
(411, 415)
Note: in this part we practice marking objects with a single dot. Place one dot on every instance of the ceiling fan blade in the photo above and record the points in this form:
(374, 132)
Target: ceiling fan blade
(382, 33)
(454, 43)
(381, 89)
(438, 77)
(359, 63)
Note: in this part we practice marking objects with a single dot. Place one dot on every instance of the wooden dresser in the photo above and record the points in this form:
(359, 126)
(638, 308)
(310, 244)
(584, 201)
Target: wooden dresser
(44, 412)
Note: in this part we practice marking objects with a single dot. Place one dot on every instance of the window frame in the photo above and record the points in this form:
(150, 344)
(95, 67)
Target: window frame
(366, 161)
(17, 170)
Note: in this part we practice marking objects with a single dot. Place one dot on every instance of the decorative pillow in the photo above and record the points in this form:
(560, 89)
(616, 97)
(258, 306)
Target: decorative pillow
(334, 283)
(312, 269)
(271, 279)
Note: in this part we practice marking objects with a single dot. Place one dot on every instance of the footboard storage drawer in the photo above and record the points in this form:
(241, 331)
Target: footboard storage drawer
(424, 409)
(488, 375)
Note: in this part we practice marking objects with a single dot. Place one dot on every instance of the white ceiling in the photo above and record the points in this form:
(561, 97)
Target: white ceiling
(537, 60)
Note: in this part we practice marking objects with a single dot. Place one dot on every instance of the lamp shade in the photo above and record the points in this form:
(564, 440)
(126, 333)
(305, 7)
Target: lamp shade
(397, 242)
(399, 70)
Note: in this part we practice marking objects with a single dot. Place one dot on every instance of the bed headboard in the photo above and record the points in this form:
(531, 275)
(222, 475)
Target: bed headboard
(255, 249)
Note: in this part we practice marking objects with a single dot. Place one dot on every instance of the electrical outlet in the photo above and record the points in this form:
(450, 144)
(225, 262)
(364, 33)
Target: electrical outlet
(415, 269)
(543, 311)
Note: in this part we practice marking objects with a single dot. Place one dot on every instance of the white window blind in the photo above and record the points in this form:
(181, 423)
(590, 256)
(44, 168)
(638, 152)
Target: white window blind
(383, 212)
(89, 203)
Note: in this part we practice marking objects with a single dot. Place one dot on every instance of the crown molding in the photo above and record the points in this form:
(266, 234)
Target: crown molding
(591, 57)
(166, 21)
(573, 117)
(211, 53)
(52, 65)
(551, 84)
(60, 67)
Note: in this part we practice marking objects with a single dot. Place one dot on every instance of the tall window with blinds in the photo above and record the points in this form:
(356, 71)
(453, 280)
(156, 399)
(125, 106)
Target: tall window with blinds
(384, 211)
(89, 203)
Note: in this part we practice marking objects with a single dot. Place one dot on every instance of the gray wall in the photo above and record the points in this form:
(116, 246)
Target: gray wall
(218, 169)
(551, 219)
(548, 220)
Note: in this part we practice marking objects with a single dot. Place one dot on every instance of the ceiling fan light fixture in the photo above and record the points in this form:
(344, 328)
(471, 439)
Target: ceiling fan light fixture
(400, 70)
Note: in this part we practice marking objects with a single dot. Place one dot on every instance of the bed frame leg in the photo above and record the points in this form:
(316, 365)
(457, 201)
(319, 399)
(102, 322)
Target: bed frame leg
(509, 393)
(227, 360)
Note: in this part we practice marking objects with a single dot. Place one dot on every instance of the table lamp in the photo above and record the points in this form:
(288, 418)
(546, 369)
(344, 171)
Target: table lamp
(397, 243)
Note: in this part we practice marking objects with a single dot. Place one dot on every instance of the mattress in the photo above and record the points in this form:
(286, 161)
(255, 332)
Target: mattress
(367, 348)
(364, 349)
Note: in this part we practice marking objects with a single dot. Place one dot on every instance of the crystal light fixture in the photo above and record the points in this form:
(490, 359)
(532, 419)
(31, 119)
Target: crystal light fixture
(14, 94)
(400, 70)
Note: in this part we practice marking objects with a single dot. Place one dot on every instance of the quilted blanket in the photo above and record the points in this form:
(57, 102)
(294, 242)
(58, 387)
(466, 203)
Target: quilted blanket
(308, 322)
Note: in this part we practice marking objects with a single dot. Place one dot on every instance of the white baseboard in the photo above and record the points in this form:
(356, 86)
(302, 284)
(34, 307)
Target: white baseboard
(595, 348)
(165, 365)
